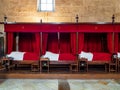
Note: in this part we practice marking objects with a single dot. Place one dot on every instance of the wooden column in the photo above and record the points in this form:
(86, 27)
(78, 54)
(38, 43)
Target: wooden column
(77, 33)
(17, 42)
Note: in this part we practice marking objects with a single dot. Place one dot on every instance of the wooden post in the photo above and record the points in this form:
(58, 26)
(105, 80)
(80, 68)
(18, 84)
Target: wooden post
(17, 42)
(113, 21)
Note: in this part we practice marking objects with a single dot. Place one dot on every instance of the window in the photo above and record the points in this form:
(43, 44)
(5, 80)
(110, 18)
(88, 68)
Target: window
(45, 5)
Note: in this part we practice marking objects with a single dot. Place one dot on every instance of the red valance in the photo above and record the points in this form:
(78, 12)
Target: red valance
(65, 27)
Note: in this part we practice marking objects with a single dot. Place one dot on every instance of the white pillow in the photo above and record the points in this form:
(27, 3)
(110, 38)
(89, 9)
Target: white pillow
(51, 56)
(87, 55)
(16, 55)
(118, 54)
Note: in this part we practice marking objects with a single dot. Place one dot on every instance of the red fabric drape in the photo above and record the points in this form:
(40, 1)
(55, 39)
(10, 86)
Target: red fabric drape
(110, 42)
(27, 42)
(65, 43)
(80, 42)
(116, 41)
(94, 42)
(74, 43)
(44, 42)
(9, 42)
(53, 43)
(38, 43)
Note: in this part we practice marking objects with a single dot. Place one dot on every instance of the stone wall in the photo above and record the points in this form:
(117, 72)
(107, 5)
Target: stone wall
(65, 11)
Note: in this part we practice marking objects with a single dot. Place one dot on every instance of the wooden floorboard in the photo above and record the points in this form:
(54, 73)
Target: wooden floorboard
(61, 75)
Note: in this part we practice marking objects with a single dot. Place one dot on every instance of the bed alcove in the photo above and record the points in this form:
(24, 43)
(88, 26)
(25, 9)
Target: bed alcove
(59, 43)
(100, 44)
(24, 42)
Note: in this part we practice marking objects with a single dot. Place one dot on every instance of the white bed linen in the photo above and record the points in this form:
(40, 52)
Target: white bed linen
(118, 54)
(52, 56)
(16, 55)
(87, 55)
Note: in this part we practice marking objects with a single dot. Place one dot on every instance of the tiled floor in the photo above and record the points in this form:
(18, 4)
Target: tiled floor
(55, 84)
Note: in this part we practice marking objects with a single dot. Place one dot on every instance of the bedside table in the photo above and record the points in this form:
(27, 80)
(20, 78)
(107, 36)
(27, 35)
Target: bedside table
(44, 64)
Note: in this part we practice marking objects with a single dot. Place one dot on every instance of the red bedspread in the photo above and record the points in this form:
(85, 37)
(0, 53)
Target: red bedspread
(67, 57)
(101, 56)
(30, 56)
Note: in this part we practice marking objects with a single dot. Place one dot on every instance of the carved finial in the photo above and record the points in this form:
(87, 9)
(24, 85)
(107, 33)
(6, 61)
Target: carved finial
(113, 18)
(5, 19)
(40, 20)
(77, 18)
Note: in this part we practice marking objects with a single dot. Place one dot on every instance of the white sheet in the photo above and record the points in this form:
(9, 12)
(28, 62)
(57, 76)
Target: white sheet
(51, 56)
(87, 55)
(118, 54)
(16, 55)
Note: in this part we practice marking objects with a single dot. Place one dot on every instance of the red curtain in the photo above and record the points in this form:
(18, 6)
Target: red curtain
(94, 42)
(53, 43)
(27, 42)
(80, 42)
(74, 43)
(65, 43)
(44, 42)
(9, 42)
(116, 42)
(38, 43)
(110, 42)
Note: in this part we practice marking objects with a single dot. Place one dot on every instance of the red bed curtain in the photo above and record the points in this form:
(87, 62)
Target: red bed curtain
(92, 42)
(116, 42)
(9, 42)
(110, 42)
(53, 43)
(65, 43)
(80, 42)
(73, 41)
(29, 42)
(98, 42)
(38, 43)
(62, 43)
(44, 42)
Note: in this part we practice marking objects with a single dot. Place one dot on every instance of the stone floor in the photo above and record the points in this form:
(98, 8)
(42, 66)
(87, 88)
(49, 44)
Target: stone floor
(55, 84)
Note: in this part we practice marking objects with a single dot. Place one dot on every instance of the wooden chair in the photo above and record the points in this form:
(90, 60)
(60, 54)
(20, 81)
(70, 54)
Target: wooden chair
(113, 64)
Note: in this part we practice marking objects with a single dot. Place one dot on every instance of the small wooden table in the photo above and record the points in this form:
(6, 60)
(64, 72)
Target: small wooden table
(83, 63)
(44, 64)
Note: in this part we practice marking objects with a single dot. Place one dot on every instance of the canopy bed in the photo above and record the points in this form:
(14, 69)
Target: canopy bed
(67, 40)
